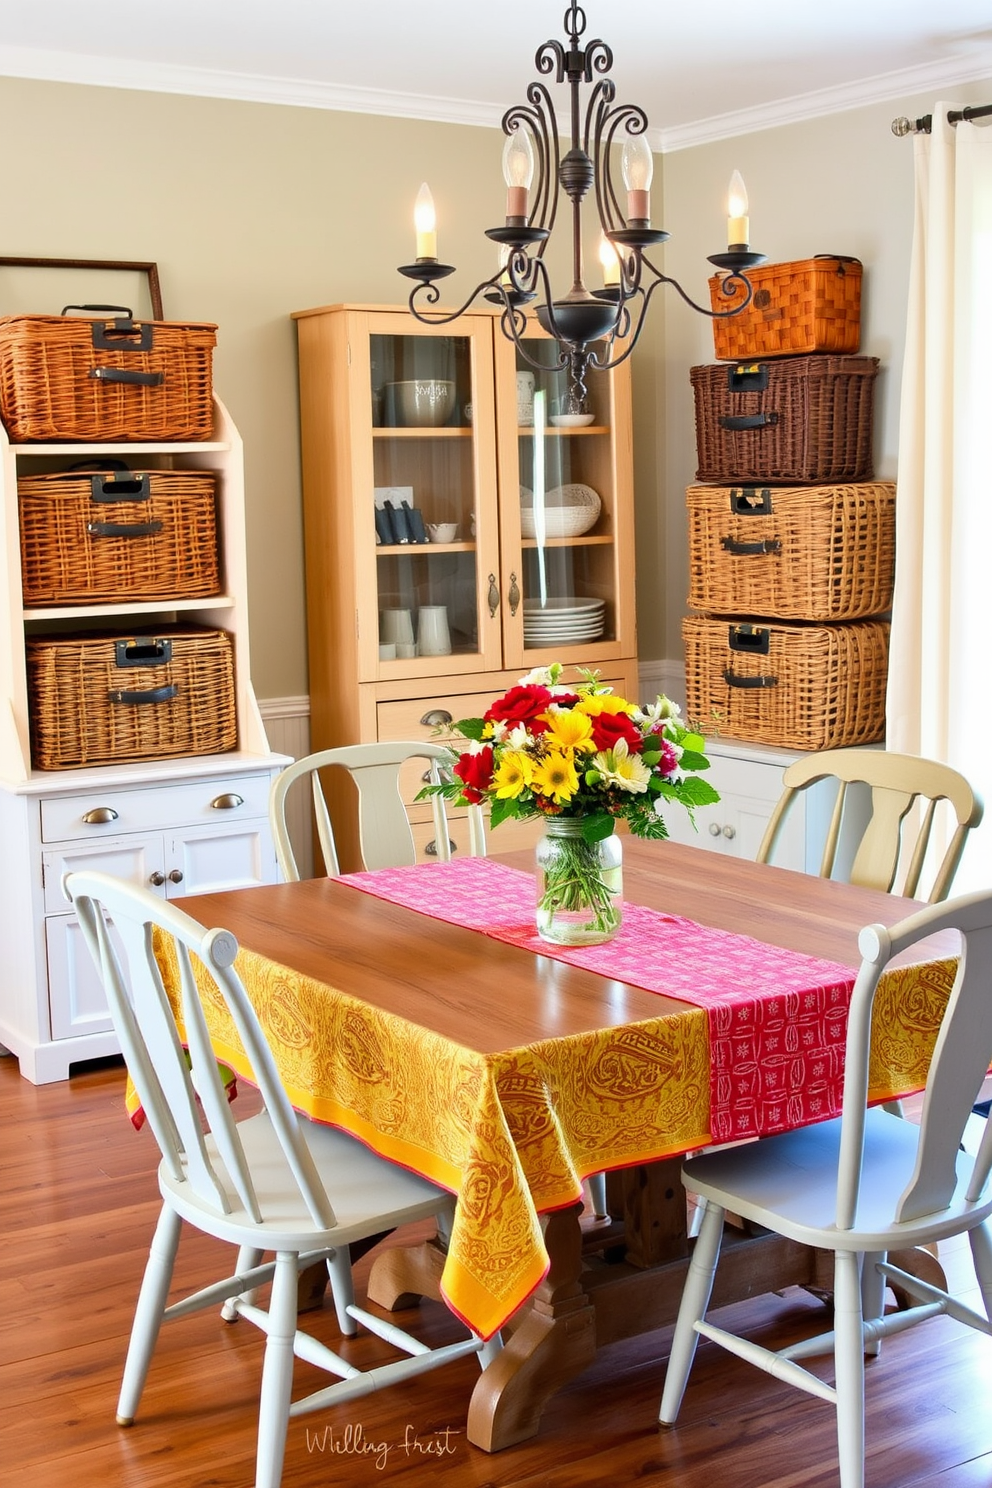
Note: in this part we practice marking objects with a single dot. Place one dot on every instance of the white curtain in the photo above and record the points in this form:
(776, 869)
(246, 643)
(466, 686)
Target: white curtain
(940, 672)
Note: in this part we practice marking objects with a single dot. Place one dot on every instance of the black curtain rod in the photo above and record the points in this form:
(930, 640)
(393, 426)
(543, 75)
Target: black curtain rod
(924, 125)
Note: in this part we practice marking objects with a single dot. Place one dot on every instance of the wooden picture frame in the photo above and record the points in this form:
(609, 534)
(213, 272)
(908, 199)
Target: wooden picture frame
(150, 270)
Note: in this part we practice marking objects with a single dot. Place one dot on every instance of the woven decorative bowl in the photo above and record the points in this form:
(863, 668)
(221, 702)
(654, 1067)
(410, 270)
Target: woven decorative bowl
(568, 511)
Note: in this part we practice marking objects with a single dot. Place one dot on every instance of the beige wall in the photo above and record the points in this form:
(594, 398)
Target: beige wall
(253, 211)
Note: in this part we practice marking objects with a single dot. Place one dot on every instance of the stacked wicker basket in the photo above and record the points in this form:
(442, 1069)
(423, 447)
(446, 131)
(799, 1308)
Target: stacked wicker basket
(98, 537)
(791, 541)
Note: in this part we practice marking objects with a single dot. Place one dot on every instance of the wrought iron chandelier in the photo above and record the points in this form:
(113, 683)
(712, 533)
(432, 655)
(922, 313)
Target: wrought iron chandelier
(594, 328)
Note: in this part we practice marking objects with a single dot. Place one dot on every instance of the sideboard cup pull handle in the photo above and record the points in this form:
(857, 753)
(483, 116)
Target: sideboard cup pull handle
(227, 802)
(437, 718)
(99, 816)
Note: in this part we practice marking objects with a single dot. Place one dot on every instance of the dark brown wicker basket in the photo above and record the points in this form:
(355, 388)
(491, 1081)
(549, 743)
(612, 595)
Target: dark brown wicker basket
(75, 377)
(794, 686)
(796, 308)
(117, 535)
(106, 698)
(800, 419)
(792, 552)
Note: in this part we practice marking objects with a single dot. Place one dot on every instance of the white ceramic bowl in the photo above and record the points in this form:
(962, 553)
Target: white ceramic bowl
(442, 532)
(569, 511)
(572, 420)
(424, 403)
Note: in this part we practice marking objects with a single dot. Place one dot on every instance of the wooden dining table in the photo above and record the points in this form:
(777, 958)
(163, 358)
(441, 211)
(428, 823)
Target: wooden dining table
(482, 1065)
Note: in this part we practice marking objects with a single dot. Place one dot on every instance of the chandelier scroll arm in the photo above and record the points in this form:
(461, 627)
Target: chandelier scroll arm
(737, 276)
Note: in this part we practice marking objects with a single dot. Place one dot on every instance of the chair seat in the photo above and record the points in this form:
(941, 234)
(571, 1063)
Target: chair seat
(367, 1191)
(789, 1183)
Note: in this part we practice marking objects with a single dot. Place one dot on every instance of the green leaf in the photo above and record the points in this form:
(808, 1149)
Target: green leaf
(597, 826)
(471, 727)
(690, 760)
(502, 810)
(698, 792)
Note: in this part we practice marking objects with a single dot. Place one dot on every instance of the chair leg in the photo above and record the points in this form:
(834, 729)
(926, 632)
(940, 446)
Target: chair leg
(695, 1300)
(342, 1289)
(872, 1295)
(596, 1186)
(248, 1259)
(980, 1239)
(148, 1313)
(849, 1365)
(277, 1373)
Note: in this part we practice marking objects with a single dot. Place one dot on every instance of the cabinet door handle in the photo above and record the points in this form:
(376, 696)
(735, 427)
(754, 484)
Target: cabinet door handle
(730, 833)
(228, 802)
(436, 718)
(176, 876)
(156, 879)
(714, 829)
(99, 816)
(430, 850)
(493, 596)
(514, 594)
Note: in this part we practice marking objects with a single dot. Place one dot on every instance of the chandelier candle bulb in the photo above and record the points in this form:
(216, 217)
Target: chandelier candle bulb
(425, 221)
(610, 261)
(518, 173)
(637, 169)
(738, 227)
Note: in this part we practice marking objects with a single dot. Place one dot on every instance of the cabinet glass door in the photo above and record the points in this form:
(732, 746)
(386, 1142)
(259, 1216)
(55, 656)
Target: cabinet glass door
(433, 445)
(568, 577)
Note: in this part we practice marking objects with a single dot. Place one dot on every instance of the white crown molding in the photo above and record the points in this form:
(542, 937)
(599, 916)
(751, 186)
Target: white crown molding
(151, 77)
(106, 72)
(903, 84)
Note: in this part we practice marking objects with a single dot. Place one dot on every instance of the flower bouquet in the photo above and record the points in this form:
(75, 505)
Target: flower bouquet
(579, 758)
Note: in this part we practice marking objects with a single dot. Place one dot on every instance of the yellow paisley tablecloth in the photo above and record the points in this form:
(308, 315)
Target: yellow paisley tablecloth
(512, 1134)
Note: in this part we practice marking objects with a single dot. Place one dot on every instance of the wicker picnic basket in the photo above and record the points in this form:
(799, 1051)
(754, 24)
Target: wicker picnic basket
(796, 308)
(792, 552)
(79, 378)
(102, 698)
(799, 419)
(793, 686)
(117, 534)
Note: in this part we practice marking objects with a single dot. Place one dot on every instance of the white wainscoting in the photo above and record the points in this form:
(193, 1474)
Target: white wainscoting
(287, 724)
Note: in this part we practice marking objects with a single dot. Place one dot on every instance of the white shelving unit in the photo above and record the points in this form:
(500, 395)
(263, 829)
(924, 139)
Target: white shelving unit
(181, 826)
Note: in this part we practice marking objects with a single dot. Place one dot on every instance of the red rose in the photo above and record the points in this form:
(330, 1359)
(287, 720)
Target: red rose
(521, 705)
(476, 772)
(607, 728)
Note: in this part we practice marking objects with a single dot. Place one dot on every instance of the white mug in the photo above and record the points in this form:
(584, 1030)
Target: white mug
(396, 626)
(525, 398)
(433, 638)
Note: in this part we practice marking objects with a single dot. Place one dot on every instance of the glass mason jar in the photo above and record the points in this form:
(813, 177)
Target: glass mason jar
(579, 885)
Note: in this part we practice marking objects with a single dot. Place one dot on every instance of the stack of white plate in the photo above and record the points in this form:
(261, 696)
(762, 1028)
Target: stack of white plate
(563, 621)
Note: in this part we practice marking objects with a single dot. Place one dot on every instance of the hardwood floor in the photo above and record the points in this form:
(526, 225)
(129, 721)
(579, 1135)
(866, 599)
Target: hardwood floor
(78, 1200)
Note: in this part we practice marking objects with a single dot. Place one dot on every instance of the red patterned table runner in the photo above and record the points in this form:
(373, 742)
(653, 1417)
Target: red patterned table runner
(777, 1018)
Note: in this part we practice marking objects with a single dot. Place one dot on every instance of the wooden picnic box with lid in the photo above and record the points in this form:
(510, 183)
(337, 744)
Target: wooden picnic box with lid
(797, 686)
(824, 553)
(813, 305)
(110, 377)
(113, 533)
(798, 420)
(110, 697)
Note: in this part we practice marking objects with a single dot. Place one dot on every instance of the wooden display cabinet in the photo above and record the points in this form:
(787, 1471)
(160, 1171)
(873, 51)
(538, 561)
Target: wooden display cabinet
(392, 410)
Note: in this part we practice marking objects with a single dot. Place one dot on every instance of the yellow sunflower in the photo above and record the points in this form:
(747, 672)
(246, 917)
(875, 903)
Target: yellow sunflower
(512, 775)
(569, 730)
(604, 702)
(555, 777)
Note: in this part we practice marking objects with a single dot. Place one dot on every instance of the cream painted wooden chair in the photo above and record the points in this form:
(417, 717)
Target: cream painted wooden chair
(892, 849)
(269, 1183)
(385, 834)
(861, 1186)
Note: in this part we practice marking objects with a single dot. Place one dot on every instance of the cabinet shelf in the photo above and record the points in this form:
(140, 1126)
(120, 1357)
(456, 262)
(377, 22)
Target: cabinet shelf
(463, 431)
(387, 550)
(552, 431)
(593, 540)
(84, 614)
